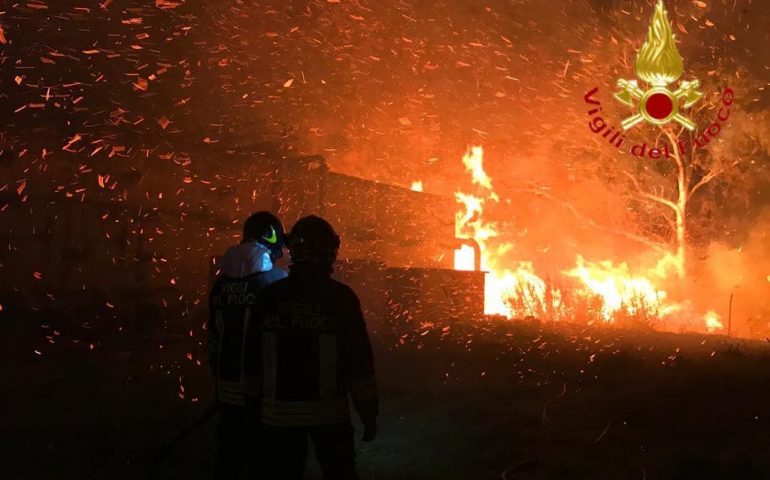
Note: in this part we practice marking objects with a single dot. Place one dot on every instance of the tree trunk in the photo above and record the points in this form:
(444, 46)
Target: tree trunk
(681, 232)
(680, 211)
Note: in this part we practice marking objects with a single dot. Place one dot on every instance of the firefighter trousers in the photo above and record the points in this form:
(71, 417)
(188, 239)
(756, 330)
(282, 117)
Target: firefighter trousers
(285, 451)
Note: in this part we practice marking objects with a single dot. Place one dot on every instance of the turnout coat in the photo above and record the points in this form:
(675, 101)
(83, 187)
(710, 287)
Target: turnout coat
(245, 270)
(314, 352)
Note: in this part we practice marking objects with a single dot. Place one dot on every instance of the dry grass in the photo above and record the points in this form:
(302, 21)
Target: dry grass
(474, 400)
(568, 305)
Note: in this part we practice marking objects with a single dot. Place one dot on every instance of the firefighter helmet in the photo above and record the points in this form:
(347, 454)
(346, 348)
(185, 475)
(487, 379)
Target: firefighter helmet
(312, 239)
(265, 228)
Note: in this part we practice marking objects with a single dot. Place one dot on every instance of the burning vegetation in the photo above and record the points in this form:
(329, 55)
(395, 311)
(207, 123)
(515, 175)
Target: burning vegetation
(592, 292)
(130, 128)
(497, 221)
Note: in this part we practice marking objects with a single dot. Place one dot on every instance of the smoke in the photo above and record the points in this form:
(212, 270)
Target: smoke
(394, 92)
(742, 272)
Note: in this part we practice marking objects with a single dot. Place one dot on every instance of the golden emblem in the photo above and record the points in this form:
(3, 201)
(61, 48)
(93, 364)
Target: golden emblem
(658, 64)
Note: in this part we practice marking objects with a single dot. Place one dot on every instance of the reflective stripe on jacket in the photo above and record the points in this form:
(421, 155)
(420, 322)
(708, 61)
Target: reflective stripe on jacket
(315, 352)
(246, 270)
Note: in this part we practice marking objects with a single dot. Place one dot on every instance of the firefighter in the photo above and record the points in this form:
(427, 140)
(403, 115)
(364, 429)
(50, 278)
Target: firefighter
(245, 270)
(315, 353)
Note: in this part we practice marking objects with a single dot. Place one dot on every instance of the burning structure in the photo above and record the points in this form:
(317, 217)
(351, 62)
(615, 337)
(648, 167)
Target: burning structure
(398, 243)
(125, 171)
(474, 161)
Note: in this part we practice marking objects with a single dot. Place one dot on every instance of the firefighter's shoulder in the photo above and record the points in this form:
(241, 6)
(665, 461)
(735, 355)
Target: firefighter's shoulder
(216, 285)
(267, 278)
(343, 292)
(278, 287)
(275, 274)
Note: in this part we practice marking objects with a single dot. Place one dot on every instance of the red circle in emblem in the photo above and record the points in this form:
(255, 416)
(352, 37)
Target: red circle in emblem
(659, 106)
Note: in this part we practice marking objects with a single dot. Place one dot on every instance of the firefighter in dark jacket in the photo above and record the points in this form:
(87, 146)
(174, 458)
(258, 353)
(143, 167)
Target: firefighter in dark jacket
(315, 354)
(245, 270)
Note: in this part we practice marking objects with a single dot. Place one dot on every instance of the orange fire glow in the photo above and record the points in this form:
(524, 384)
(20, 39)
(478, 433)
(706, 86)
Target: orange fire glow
(474, 163)
(603, 290)
(619, 289)
(713, 321)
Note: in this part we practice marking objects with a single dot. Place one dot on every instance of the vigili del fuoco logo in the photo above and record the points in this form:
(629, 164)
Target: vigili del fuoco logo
(659, 100)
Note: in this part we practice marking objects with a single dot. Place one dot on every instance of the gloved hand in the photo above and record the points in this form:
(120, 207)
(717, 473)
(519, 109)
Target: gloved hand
(370, 429)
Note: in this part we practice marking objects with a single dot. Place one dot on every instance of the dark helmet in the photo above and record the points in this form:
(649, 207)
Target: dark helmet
(312, 239)
(265, 228)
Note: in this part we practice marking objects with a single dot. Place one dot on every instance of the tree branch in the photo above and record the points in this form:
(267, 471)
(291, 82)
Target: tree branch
(681, 168)
(631, 236)
(703, 181)
(671, 224)
(650, 196)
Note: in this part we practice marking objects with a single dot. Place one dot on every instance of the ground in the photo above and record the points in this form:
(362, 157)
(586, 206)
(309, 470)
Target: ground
(463, 400)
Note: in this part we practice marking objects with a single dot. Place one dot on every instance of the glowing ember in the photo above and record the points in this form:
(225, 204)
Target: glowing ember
(416, 186)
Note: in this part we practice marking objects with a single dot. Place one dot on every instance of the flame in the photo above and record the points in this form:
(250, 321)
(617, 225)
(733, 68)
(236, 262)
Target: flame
(521, 293)
(474, 162)
(600, 291)
(659, 62)
(464, 258)
(670, 262)
(618, 289)
(416, 186)
(506, 292)
(713, 321)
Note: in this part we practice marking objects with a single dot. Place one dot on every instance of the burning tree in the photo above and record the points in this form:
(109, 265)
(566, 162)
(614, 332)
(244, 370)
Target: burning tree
(681, 166)
(692, 171)
(660, 65)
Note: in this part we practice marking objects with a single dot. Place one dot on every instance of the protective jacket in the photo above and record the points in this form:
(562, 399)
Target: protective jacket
(315, 351)
(245, 270)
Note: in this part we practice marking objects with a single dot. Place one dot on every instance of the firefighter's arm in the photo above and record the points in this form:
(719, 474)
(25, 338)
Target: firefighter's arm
(363, 383)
